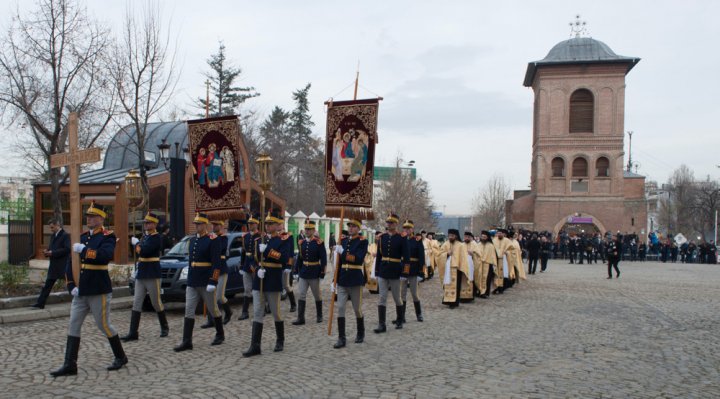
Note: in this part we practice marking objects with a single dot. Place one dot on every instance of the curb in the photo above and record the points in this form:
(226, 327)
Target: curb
(54, 298)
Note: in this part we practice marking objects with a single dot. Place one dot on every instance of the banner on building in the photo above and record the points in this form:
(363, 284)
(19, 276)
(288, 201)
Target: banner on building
(215, 158)
(350, 141)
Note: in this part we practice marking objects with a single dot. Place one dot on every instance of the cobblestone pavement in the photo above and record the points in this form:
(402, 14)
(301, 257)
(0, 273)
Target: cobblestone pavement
(569, 332)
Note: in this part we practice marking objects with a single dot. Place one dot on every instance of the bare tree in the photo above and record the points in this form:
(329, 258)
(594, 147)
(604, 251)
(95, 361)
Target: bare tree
(51, 65)
(144, 73)
(489, 203)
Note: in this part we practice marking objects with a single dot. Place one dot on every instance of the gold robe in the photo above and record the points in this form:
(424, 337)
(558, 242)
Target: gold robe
(488, 259)
(369, 263)
(501, 251)
(458, 270)
(475, 252)
(519, 270)
(429, 259)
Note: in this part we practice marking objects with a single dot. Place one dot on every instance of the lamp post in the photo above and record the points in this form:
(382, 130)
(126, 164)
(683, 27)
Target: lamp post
(265, 182)
(134, 196)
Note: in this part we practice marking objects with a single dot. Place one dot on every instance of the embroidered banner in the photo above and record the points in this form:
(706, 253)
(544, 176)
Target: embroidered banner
(349, 157)
(215, 153)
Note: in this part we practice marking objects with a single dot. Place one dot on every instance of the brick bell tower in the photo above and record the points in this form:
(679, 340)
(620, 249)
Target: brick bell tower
(577, 143)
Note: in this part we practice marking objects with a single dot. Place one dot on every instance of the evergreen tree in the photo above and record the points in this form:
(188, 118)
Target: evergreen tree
(225, 98)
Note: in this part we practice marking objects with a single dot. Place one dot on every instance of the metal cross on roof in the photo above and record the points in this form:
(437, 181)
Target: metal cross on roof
(578, 28)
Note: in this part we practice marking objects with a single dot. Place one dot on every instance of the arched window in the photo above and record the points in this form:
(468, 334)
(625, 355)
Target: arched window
(581, 111)
(602, 167)
(580, 167)
(558, 167)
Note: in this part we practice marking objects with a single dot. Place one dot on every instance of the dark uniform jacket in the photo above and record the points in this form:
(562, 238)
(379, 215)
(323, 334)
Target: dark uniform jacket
(60, 247)
(391, 252)
(614, 250)
(289, 250)
(94, 259)
(218, 250)
(312, 259)
(415, 257)
(545, 248)
(200, 261)
(273, 260)
(352, 273)
(248, 263)
(149, 250)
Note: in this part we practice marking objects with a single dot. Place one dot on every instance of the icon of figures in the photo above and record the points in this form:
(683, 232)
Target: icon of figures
(337, 149)
(360, 149)
(214, 164)
(228, 165)
(201, 169)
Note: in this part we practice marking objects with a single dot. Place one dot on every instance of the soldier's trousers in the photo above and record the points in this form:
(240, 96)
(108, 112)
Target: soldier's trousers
(247, 284)
(355, 294)
(383, 285)
(273, 300)
(220, 289)
(313, 284)
(151, 288)
(286, 280)
(193, 295)
(99, 305)
(412, 281)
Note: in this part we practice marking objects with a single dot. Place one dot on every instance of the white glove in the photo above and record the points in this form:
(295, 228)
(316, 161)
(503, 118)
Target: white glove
(403, 279)
(296, 277)
(134, 241)
(332, 287)
(339, 249)
(419, 278)
(75, 291)
(210, 288)
(77, 247)
(262, 247)
(261, 273)
(287, 271)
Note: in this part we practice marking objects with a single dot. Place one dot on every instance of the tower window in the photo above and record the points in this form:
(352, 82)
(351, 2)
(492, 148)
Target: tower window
(581, 111)
(602, 167)
(580, 167)
(558, 167)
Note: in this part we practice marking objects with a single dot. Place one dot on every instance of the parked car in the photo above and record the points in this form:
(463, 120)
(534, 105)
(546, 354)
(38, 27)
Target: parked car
(174, 270)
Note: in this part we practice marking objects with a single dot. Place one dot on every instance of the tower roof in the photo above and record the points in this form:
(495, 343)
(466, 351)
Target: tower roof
(579, 50)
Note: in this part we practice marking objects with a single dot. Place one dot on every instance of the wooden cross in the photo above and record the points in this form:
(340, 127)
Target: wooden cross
(73, 159)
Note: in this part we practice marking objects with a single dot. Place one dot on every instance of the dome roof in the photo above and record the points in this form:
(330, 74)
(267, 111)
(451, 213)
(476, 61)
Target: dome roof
(578, 50)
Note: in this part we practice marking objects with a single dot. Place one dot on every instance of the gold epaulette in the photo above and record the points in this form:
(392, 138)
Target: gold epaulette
(301, 242)
(319, 241)
(108, 232)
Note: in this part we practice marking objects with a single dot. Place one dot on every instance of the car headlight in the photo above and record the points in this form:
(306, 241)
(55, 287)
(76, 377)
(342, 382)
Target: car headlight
(184, 273)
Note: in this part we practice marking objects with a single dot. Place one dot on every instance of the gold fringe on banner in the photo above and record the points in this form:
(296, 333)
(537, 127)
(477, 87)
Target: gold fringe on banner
(226, 214)
(351, 212)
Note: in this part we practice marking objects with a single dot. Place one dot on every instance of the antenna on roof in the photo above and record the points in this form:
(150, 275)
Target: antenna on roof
(578, 28)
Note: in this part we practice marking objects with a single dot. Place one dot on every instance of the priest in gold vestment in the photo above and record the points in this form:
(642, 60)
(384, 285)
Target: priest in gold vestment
(453, 268)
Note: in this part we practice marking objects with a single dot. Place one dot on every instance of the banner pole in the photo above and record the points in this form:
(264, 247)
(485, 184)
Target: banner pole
(336, 273)
(357, 80)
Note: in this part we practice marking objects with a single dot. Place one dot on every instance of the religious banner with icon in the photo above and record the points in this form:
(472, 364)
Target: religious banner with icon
(215, 160)
(349, 157)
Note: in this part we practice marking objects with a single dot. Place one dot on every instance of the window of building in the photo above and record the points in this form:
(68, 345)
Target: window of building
(602, 167)
(581, 111)
(558, 167)
(580, 167)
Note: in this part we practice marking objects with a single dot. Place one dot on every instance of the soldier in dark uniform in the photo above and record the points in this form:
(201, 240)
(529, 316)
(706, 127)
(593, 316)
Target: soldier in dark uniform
(412, 269)
(614, 252)
(248, 264)
(310, 266)
(93, 292)
(391, 254)
(58, 252)
(287, 269)
(271, 256)
(220, 270)
(351, 279)
(545, 249)
(201, 284)
(147, 277)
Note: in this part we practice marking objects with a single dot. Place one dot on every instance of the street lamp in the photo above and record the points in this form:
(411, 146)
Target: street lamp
(264, 177)
(186, 154)
(164, 148)
(133, 195)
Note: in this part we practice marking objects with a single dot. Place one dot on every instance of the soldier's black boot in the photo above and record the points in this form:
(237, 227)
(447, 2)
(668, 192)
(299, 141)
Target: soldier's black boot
(209, 323)
(318, 309)
(132, 335)
(418, 311)
(254, 348)
(360, 337)
(301, 314)
(267, 308)
(399, 313)
(186, 344)
(69, 367)
(381, 328)
(120, 358)
(280, 332)
(293, 305)
(244, 315)
(219, 332)
(404, 308)
(164, 328)
(228, 312)
(341, 334)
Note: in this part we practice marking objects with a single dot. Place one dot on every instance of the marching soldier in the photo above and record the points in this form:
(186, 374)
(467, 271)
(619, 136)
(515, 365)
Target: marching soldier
(93, 292)
(391, 254)
(147, 277)
(202, 282)
(412, 269)
(350, 281)
(310, 265)
(271, 256)
(288, 268)
(248, 264)
(218, 252)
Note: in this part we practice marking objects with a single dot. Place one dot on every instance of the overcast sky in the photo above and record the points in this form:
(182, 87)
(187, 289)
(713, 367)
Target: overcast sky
(451, 73)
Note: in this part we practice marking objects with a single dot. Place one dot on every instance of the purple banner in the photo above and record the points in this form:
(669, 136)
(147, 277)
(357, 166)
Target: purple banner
(581, 220)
